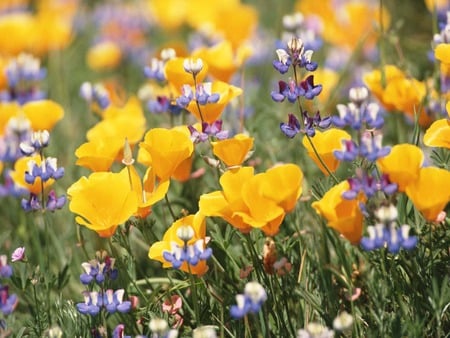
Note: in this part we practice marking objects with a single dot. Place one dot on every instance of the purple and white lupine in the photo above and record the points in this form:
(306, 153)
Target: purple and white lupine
(24, 74)
(294, 54)
(359, 113)
(99, 270)
(37, 141)
(95, 94)
(109, 300)
(191, 254)
(387, 234)
(292, 127)
(250, 301)
(208, 130)
(17, 130)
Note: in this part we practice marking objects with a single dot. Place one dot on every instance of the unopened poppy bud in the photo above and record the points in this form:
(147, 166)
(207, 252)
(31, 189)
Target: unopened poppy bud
(127, 154)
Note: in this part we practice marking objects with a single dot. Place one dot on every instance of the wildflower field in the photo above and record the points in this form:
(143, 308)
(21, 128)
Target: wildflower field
(224, 168)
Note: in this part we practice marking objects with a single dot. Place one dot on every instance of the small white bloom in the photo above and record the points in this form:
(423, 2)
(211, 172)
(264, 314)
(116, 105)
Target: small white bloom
(193, 66)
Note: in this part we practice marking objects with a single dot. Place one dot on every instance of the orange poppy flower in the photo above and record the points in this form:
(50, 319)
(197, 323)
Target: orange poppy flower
(103, 201)
(326, 143)
(342, 215)
(233, 151)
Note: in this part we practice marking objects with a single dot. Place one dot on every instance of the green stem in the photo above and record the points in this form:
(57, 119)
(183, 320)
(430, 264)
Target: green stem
(36, 303)
(172, 213)
(321, 160)
(195, 298)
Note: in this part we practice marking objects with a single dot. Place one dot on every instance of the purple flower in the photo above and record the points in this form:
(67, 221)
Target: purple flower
(113, 301)
(54, 202)
(307, 89)
(119, 332)
(389, 236)
(91, 305)
(250, 302)
(349, 152)
(204, 94)
(5, 269)
(7, 302)
(18, 254)
(192, 254)
(31, 204)
(291, 128)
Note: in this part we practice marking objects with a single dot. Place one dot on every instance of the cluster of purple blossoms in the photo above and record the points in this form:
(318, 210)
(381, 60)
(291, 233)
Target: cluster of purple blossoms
(8, 302)
(387, 234)
(24, 74)
(292, 127)
(208, 130)
(250, 301)
(46, 170)
(359, 113)
(203, 95)
(155, 70)
(99, 269)
(298, 57)
(191, 254)
(95, 94)
(110, 300)
(366, 119)
(203, 91)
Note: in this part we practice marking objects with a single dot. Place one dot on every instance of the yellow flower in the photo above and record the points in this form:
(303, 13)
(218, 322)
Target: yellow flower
(103, 56)
(211, 112)
(233, 151)
(8, 110)
(430, 192)
(169, 14)
(438, 135)
(255, 201)
(402, 165)
(222, 60)
(171, 237)
(16, 31)
(165, 150)
(373, 80)
(442, 53)
(149, 191)
(99, 154)
(326, 142)
(43, 114)
(120, 123)
(18, 175)
(346, 23)
(103, 201)
(342, 215)
(400, 93)
(53, 30)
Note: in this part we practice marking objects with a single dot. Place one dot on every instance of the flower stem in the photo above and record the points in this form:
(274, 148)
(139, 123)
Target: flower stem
(172, 213)
(195, 298)
(321, 160)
